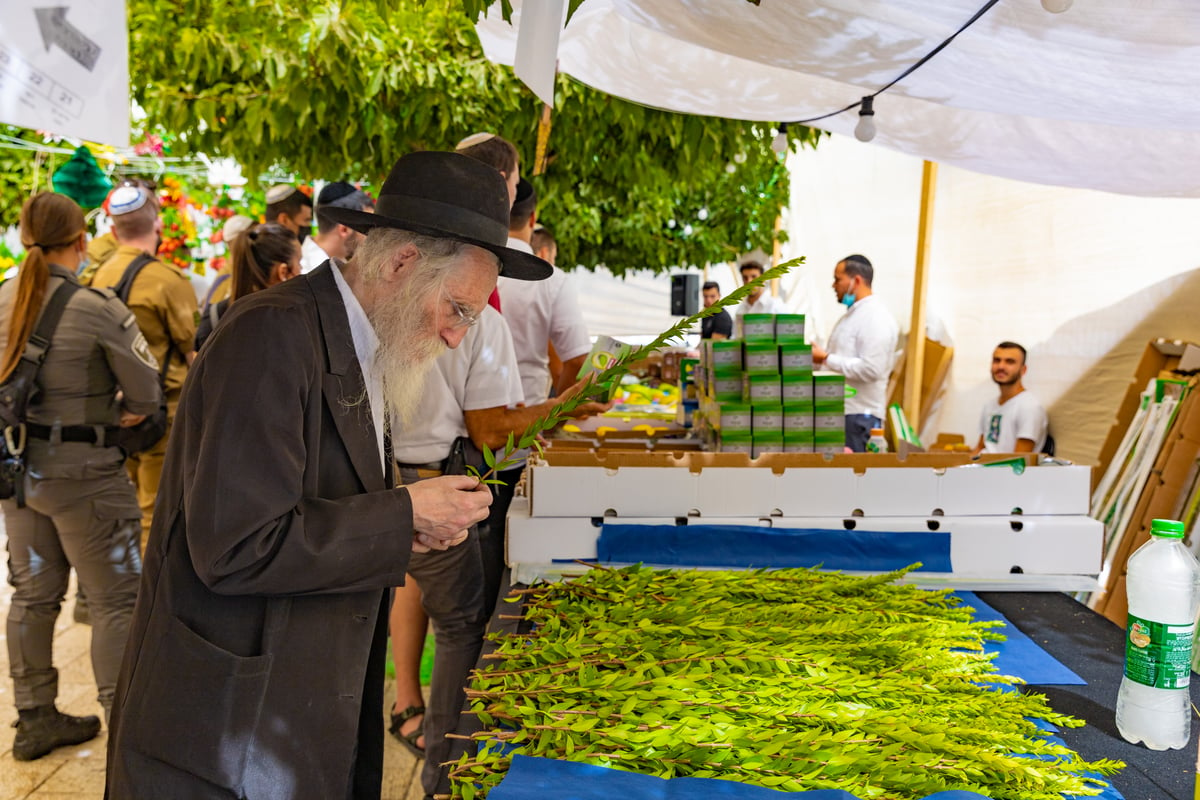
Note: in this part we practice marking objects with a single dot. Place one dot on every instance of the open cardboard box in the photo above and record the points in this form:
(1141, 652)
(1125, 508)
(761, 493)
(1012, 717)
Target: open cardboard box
(665, 484)
(1162, 358)
(1163, 497)
(1043, 553)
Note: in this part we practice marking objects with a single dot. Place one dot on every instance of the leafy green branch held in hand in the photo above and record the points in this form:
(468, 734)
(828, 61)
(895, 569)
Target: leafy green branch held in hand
(599, 381)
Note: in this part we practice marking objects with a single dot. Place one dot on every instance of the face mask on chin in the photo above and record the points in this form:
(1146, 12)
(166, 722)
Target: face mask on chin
(848, 299)
(303, 233)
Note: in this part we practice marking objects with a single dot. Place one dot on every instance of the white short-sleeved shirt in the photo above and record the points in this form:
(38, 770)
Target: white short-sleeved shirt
(480, 373)
(540, 313)
(1022, 417)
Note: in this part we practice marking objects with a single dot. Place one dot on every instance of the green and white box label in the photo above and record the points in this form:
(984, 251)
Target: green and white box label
(758, 326)
(762, 359)
(1158, 654)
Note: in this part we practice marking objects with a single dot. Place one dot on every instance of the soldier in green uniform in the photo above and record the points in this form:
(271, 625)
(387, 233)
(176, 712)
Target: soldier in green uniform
(165, 306)
(80, 508)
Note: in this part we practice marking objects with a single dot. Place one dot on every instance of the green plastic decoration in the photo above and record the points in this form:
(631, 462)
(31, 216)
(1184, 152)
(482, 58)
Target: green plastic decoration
(82, 180)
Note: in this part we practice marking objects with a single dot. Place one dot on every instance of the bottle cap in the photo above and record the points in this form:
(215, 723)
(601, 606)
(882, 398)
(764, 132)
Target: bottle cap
(1167, 527)
(877, 431)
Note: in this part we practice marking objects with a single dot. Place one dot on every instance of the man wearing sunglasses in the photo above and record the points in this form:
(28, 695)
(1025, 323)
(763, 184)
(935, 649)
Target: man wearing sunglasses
(256, 655)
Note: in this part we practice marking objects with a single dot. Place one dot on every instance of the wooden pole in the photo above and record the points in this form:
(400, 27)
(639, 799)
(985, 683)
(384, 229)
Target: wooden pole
(776, 253)
(914, 361)
(543, 140)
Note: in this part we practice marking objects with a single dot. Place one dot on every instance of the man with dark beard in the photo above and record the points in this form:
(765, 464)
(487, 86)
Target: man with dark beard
(1013, 422)
(256, 657)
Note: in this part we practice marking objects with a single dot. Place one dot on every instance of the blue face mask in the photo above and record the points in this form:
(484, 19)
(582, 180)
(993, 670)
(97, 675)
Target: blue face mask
(848, 299)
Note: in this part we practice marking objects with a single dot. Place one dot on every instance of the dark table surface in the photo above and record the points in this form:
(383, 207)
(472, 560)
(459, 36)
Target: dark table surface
(1094, 648)
(1091, 646)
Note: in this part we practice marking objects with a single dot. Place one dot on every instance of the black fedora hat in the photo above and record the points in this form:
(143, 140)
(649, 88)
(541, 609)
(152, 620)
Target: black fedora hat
(449, 196)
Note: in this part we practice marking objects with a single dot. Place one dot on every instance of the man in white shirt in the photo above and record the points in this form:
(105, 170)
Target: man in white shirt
(334, 240)
(474, 392)
(862, 347)
(1013, 422)
(760, 301)
(547, 315)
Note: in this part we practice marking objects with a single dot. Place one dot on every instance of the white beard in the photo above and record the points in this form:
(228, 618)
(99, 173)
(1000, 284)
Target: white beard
(408, 347)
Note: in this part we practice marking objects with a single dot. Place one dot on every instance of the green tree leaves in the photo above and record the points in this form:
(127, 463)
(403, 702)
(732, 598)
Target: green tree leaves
(342, 88)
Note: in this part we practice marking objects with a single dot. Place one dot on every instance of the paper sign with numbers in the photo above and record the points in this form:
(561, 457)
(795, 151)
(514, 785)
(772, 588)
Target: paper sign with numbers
(64, 68)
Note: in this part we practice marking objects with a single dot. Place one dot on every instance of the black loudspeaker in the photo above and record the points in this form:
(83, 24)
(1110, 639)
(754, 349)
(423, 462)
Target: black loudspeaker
(685, 294)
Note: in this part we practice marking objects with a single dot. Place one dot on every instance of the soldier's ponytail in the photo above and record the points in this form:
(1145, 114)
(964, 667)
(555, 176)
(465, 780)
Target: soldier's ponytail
(254, 254)
(49, 221)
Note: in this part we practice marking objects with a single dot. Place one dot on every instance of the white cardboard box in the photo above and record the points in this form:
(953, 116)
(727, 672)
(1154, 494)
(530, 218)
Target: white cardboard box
(994, 490)
(980, 547)
(717, 491)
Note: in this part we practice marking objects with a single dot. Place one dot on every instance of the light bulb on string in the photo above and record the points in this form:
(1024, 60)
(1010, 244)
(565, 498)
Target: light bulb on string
(780, 142)
(864, 131)
(1056, 6)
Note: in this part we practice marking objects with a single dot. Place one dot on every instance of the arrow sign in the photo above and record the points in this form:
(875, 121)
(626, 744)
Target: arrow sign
(57, 31)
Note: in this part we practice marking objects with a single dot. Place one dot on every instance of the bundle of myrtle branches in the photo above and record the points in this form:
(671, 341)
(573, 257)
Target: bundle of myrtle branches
(793, 679)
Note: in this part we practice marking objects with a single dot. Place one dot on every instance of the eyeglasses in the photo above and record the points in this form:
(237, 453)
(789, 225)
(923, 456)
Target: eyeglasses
(466, 317)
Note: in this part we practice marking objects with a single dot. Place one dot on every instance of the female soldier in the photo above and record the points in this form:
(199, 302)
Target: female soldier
(261, 257)
(80, 509)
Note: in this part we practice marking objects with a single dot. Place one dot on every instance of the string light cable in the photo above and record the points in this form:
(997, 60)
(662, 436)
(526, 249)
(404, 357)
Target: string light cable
(865, 130)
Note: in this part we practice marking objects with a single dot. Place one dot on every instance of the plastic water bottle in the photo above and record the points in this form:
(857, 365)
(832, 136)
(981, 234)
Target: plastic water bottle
(1163, 583)
(877, 443)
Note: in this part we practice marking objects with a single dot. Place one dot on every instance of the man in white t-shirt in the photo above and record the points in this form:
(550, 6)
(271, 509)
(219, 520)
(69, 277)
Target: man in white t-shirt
(760, 301)
(1013, 422)
(538, 316)
(473, 392)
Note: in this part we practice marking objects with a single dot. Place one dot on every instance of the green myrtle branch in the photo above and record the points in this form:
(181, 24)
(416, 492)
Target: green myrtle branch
(600, 381)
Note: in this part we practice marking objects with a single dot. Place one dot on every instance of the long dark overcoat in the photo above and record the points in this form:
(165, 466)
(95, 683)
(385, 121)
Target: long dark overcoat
(256, 655)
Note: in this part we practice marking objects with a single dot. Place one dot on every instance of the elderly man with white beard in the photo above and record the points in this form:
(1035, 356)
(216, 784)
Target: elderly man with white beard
(255, 661)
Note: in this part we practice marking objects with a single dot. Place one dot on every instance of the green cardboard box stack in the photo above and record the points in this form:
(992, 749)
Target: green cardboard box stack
(829, 412)
(762, 388)
(761, 395)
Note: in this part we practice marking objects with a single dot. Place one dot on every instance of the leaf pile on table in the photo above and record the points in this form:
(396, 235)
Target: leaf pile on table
(793, 679)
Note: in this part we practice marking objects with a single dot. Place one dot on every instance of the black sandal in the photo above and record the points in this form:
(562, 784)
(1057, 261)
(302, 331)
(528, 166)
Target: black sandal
(409, 740)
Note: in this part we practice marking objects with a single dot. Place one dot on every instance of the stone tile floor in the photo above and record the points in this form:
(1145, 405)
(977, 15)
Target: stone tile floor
(78, 772)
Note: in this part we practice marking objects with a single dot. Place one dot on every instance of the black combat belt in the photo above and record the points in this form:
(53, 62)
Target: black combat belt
(102, 435)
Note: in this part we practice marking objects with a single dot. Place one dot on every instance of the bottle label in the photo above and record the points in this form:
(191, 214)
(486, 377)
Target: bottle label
(1158, 654)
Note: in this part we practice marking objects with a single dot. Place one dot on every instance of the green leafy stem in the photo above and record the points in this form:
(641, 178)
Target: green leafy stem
(498, 461)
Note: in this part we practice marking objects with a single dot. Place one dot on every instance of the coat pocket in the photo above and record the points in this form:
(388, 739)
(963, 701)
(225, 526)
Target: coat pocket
(198, 706)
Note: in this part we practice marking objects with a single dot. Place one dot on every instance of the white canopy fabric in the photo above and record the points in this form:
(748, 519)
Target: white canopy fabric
(1104, 96)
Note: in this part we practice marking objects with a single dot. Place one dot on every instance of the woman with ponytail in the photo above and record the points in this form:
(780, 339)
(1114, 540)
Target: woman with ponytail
(259, 258)
(79, 506)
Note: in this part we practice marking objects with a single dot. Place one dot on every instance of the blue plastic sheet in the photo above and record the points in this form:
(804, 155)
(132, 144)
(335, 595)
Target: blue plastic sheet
(541, 778)
(748, 546)
(1019, 655)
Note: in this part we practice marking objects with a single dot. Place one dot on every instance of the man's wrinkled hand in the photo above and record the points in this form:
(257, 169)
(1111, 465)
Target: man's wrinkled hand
(445, 508)
(423, 542)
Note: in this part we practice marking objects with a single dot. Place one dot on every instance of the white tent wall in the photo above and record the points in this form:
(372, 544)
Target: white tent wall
(1082, 278)
(633, 308)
